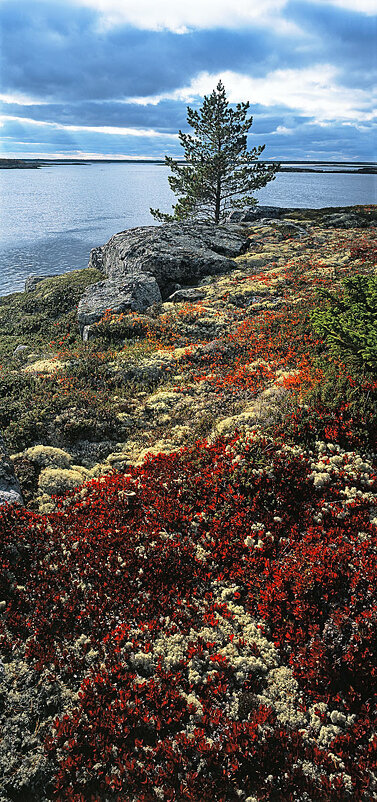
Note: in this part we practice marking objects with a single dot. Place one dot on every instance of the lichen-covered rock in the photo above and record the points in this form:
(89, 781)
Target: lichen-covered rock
(345, 220)
(189, 294)
(173, 252)
(257, 212)
(10, 490)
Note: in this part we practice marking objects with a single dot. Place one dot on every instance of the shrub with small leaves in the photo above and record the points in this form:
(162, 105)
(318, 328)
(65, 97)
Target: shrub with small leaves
(349, 321)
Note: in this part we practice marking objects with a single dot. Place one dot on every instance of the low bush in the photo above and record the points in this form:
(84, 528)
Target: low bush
(349, 322)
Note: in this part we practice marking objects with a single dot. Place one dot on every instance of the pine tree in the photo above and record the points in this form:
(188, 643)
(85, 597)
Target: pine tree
(219, 173)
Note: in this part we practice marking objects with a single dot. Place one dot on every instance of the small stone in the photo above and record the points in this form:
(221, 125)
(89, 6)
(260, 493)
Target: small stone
(33, 280)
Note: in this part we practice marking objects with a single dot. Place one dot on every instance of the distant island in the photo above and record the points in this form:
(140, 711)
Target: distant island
(367, 168)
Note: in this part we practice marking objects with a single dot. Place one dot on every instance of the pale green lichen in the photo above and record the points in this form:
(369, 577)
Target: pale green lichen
(48, 456)
(57, 481)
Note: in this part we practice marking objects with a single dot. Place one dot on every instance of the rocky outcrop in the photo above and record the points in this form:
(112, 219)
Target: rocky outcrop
(345, 219)
(134, 294)
(177, 252)
(143, 265)
(257, 212)
(10, 491)
(335, 217)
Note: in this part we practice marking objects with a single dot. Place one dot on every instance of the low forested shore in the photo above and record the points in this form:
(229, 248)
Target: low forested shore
(300, 167)
(188, 588)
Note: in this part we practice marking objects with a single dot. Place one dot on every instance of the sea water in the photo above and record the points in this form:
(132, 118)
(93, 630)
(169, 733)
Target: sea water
(51, 217)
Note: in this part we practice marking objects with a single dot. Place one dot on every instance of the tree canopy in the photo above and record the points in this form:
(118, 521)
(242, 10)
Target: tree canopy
(219, 174)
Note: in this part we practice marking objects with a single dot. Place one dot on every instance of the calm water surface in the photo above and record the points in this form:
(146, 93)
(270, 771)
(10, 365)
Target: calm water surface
(51, 218)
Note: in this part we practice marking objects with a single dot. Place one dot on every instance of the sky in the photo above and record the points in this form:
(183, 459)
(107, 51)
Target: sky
(113, 78)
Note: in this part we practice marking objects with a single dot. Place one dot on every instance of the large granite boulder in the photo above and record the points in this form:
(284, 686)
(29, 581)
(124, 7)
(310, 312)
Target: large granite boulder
(10, 490)
(145, 265)
(125, 294)
(176, 252)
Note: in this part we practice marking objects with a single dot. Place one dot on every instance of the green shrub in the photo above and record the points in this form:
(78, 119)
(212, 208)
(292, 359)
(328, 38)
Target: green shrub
(348, 322)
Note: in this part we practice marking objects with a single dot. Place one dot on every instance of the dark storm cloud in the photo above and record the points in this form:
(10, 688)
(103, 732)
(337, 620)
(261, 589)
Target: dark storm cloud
(58, 52)
(345, 38)
(168, 115)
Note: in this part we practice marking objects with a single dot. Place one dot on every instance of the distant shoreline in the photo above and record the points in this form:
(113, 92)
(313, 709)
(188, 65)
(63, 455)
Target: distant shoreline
(363, 168)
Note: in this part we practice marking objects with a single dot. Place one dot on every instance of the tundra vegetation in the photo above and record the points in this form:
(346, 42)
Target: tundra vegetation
(196, 619)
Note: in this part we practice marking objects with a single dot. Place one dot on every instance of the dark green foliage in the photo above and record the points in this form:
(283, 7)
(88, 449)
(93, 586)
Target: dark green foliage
(219, 173)
(348, 323)
(47, 313)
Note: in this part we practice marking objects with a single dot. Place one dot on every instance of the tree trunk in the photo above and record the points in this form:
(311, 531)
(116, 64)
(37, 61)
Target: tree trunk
(217, 201)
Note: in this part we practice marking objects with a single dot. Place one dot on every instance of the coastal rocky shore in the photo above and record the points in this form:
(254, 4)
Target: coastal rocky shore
(188, 500)
(155, 272)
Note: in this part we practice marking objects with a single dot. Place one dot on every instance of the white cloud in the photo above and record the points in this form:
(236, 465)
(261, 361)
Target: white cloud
(21, 100)
(180, 17)
(113, 130)
(282, 129)
(312, 91)
(73, 154)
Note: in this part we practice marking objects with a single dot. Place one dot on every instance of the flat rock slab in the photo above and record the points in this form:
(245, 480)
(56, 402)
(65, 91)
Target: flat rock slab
(257, 212)
(344, 220)
(190, 294)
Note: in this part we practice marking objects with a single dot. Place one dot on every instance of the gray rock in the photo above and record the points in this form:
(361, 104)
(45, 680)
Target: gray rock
(20, 350)
(187, 294)
(10, 490)
(345, 220)
(176, 252)
(144, 265)
(286, 226)
(125, 294)
(96, 259)
(33, 280)
(257, 212)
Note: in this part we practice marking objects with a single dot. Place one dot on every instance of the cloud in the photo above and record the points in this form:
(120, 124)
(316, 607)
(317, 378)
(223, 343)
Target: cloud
(367, 7)
(308, 141)
(313, 91)
(56, 52)
(168, 115)
(181, 17)
(98, 129)
(347, 38)
(97, 76)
